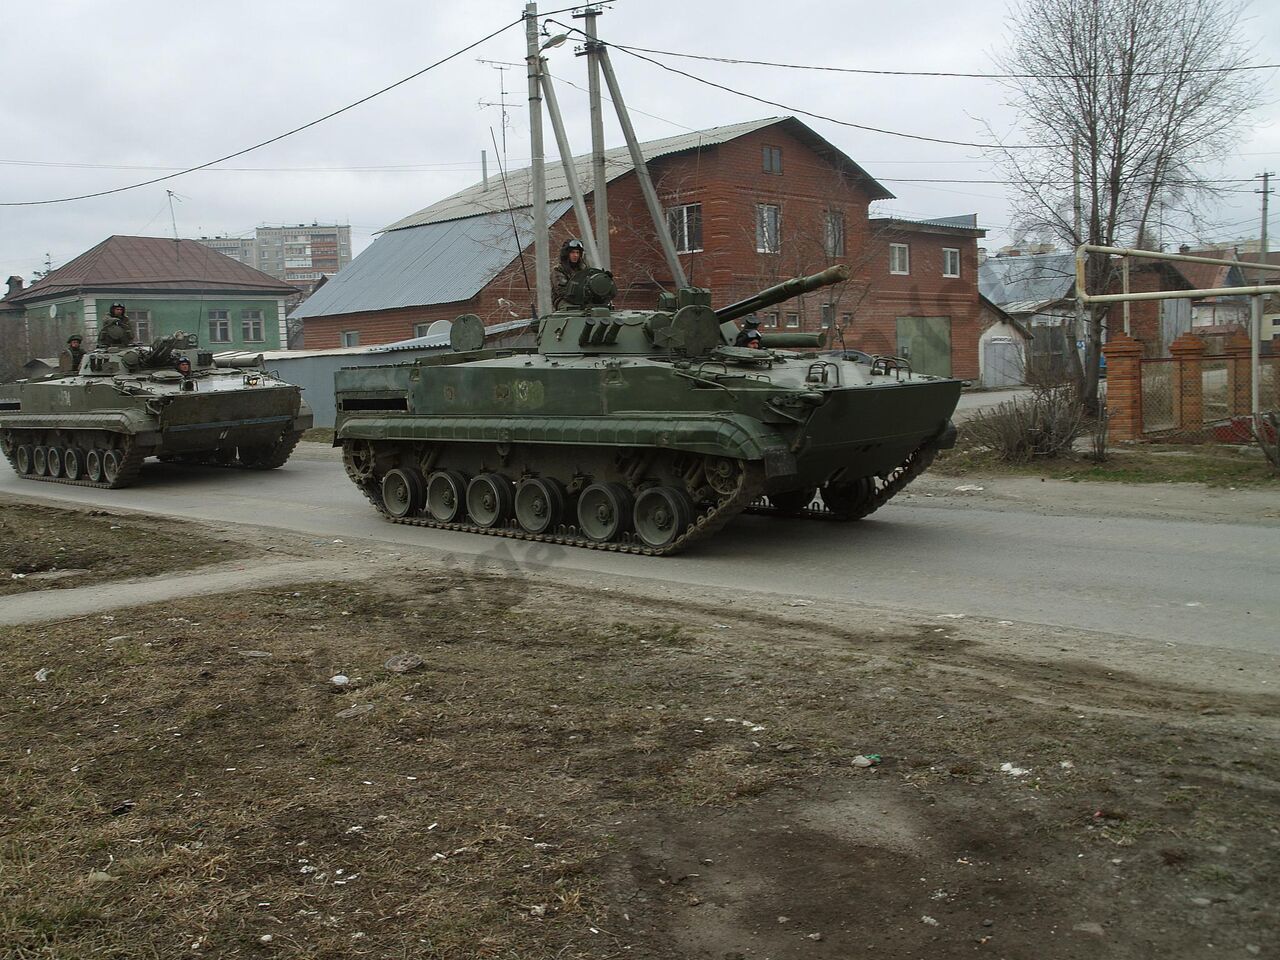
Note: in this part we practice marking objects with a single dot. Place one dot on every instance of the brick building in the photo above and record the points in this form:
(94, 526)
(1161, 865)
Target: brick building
(748, 205)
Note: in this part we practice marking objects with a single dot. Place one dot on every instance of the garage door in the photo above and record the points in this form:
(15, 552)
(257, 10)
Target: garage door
(926, 343)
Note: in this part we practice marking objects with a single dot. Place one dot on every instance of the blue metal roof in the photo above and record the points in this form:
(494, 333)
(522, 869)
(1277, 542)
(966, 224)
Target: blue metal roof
(1025, 281)
(433, 263)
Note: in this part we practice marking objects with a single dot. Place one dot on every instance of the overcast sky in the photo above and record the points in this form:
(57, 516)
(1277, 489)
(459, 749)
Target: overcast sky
(103, 93)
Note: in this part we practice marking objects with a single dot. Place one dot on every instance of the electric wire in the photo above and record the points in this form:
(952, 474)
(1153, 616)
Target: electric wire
(275, 139)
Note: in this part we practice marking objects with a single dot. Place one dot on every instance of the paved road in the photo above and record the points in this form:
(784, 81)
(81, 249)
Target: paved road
(1161, 579)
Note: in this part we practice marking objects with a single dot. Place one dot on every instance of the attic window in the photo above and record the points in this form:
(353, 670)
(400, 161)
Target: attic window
(773, 160)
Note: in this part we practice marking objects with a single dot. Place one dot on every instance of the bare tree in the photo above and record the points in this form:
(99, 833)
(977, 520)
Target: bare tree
(1147, 94)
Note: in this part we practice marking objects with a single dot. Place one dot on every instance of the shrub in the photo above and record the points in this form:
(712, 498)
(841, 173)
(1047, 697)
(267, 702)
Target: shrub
(1044, 424)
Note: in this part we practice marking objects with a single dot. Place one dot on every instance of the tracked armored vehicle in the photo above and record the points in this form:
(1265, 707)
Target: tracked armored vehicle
(636, 431)
(96, 425)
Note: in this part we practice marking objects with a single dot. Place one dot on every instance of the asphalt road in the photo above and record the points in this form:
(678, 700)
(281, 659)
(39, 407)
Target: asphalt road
(1157, 578)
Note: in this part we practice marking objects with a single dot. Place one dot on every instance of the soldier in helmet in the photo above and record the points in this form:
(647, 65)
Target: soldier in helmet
(118, 329)
(749, 335)
(69, 359)
(184, 366)
(572, 253)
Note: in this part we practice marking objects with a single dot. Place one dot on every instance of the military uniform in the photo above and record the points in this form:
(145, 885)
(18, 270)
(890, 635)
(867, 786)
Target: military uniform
(69, 359)
(564, 271)
(116, 332)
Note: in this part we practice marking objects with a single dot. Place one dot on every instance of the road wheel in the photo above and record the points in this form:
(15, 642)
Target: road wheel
(40, 461)
(402, 492)
(490, 500)
(22, 456)
(93, 465)
(851, 501)
(661, 515)
(53, 460)
(446, 496)
(112, 462)
(793, 501)
(540, 504)
(72, 463)
(604, 511)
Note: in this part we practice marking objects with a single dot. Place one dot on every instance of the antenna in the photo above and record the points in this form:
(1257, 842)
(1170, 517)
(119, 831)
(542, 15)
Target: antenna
(173, 219)
(501, 102)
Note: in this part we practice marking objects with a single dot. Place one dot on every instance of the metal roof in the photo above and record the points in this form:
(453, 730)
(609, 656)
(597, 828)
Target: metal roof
(443, 262)
(145, 264)
(1024, 284)
(965, 223)
(477, 199)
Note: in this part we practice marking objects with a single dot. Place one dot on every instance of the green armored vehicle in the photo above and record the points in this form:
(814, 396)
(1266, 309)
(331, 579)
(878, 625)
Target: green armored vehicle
(95, 426)
(637, 431)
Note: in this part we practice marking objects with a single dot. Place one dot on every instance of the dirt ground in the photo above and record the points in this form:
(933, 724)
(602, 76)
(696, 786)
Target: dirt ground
(51, 547)
(574, 773)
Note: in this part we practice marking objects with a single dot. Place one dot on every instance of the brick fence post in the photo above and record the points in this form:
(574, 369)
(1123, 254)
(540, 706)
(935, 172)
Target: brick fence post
(1124, 386)
(1188, 383)
(1239, 375)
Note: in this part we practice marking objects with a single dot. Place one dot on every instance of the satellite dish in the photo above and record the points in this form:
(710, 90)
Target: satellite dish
(466, 333)
(439, 328)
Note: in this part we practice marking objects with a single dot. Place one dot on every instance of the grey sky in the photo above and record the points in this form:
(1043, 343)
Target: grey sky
(146, 84)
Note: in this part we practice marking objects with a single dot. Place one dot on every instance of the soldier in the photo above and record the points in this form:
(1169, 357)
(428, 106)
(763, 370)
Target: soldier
(69, 359)
(118, 330)
(571, 254)
(184, 366)
(749, 335)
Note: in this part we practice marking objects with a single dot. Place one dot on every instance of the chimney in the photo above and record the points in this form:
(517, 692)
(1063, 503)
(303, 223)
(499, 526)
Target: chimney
(15, 286)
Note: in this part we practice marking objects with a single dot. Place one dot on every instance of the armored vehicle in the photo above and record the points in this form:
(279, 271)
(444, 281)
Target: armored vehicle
(95, 425)
(636, 431)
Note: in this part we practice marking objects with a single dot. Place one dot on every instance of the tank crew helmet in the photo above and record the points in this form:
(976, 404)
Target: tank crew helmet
(184, 364)
(573, 243)
(74, 338)
(751, 322)
(114, 307)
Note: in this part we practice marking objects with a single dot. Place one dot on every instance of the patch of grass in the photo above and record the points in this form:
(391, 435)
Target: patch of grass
(318, 435)
(1215, 466)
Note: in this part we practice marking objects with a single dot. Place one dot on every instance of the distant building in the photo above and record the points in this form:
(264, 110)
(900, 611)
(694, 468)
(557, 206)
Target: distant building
(300, 255)
(165, 285)
(747, 205)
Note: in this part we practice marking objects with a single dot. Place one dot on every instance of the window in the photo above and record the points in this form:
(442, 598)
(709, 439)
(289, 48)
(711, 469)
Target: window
(351, 338)
(420, 329)
(142, 326)
(773, 160)
(899, 258)
(770, 321)
(219, 326)
(950, 261)
(685, 224)
(768, 223)
(845, 320)
(793, 321)
(835, 233)
(828, 312)
(251, 326)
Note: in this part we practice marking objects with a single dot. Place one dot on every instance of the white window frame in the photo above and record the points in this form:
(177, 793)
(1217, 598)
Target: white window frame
(900, 259)
(678, 221)
(770, 322)
(219, 322)
(766, 243)
(351, 338)
(828, 315)
(420, 329)
(793, 321)
(948, 255)
(142, 326)
(247, 319)
(834, 234)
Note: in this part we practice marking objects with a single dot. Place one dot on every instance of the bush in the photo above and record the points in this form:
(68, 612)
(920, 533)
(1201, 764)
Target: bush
(1044, 424)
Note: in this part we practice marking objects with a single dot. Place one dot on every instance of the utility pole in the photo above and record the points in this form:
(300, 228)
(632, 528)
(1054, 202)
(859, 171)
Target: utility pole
(1079, 231)
(1255, 305)
(541, 242)
(600, 190)
(566, 160)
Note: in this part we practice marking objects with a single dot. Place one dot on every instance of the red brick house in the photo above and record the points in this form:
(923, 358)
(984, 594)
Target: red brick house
(748, 204)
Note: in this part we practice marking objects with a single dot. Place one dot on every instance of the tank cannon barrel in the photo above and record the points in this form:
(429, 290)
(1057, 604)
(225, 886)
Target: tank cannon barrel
(783, 291)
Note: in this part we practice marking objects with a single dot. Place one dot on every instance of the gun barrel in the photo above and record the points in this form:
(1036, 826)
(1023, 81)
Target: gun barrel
(783, 291)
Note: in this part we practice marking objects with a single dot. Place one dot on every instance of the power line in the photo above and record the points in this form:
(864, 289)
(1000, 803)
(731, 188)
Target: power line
(275, 139)
(940, 73)
(818, 116)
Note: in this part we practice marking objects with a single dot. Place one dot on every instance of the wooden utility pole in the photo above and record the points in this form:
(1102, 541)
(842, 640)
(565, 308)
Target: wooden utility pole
(541, 243)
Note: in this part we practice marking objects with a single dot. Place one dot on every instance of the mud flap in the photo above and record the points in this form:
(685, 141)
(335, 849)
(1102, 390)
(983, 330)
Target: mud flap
(779, 462)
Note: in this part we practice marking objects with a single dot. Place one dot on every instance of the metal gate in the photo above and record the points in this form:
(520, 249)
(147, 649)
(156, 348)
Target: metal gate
(1175, 320)
(926, 343)
(1002, 364)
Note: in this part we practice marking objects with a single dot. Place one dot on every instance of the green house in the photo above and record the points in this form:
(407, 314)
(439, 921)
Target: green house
(166, 286)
